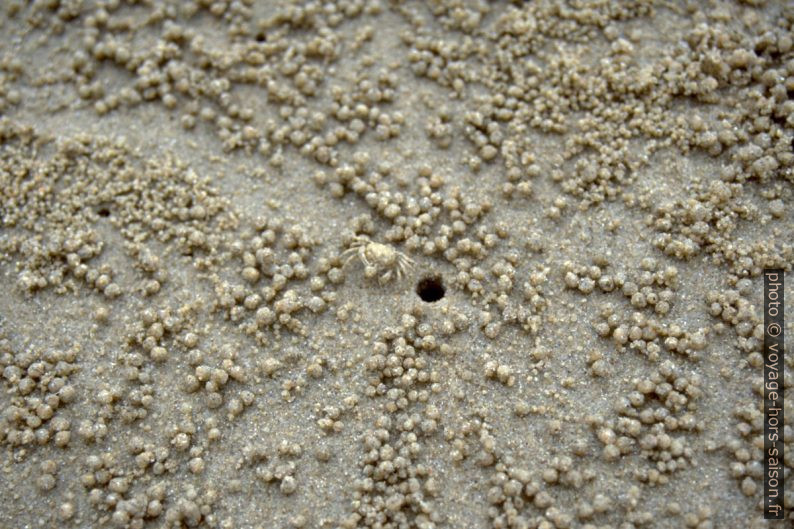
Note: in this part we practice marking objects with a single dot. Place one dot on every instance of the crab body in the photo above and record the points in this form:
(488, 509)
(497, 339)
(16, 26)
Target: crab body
(378, 258)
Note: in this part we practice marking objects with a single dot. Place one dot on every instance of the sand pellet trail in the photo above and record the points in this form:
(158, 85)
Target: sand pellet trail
(391, 263)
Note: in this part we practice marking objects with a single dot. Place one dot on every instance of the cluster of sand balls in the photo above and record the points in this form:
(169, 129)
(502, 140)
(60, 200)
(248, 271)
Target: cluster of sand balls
(396, 485)
(280, 280)
(651, 287)
(100, 180)
(40, 385)
(653, 417)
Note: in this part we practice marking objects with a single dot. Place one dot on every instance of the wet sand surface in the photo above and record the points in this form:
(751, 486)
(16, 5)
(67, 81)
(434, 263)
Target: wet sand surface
(390, 264)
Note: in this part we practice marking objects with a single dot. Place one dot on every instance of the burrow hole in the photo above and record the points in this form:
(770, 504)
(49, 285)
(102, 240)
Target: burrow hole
(430, 289)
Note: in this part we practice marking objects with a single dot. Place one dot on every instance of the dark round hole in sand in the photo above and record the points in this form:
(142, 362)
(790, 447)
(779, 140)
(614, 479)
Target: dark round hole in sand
(104, 212)
(430, 289)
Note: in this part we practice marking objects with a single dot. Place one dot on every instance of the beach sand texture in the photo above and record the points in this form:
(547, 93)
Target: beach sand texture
(390, 264)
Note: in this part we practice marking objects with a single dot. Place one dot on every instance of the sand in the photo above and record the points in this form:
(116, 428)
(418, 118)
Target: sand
(391, 264)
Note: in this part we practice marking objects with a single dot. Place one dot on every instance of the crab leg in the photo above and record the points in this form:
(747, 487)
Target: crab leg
(363, 255)
(351, 254)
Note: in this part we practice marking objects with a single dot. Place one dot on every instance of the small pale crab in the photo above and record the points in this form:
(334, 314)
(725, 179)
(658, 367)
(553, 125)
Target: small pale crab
(378, 257)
